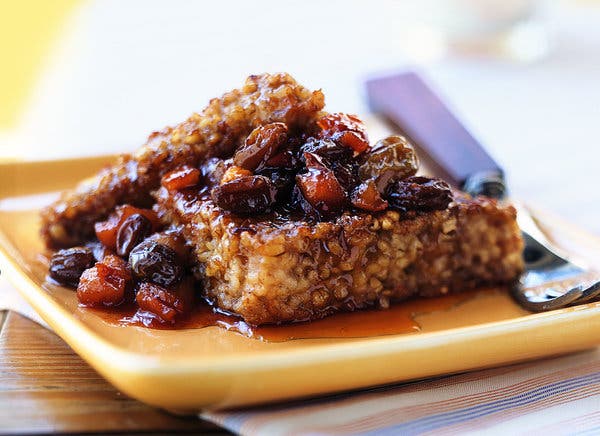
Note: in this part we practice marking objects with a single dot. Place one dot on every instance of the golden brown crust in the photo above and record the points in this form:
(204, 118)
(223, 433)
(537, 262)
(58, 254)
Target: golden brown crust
(217, 131)
(271, 271)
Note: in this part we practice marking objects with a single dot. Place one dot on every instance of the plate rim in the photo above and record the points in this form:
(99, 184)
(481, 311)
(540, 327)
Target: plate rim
(60, 319)
(117, 363)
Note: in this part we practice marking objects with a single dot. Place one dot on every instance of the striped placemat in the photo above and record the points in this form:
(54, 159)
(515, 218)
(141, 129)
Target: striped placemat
(551, 396)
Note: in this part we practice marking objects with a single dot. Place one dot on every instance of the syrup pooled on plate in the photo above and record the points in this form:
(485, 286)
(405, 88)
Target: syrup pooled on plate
(398, 319)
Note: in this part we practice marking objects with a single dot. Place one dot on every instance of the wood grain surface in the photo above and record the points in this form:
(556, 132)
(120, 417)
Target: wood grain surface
(46, 388)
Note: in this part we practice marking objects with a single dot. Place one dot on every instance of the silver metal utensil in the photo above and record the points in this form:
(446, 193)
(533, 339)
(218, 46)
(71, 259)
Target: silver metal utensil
(552, 279)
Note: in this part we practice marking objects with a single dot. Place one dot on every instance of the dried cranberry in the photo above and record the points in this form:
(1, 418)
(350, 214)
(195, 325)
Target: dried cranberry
(105, 284)
(181, 178)
(133, 231)
(66, 266)
(165, 304)
(261, 144)
(367, 197)
(155, 262)
(246, 195)
(419, 194)
(391, 159)
(346, 129)
(320, 187)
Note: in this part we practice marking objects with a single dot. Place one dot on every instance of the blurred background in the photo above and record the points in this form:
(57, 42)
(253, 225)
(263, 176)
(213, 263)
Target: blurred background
(83, 77)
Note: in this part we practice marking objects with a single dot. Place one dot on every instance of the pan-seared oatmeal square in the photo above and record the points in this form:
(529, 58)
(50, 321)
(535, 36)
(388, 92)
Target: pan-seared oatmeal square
(278, 271)
(270, 208)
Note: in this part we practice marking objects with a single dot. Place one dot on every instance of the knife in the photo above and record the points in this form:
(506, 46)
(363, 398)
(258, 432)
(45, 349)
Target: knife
(552, 279)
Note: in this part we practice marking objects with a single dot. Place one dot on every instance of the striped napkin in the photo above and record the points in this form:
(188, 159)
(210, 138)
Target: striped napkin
(551, 396)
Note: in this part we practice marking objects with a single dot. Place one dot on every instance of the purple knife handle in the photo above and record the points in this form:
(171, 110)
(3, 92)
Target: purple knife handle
(410, 104)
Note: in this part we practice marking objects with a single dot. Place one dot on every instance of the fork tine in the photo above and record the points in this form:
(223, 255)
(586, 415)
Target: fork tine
(590, 293)
(519, 293)
(551, 259)
(553, 293)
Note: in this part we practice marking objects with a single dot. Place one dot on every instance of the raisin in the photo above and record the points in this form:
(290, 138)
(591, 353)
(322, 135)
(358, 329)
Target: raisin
(105, 284)
(165, 304)
(66, 266)
(181, 178)
(327, 150)
(155, 262)
(98, 250)
(282, 180)
(262, 143)
(348, 130)
(174, 240)
(134, 230)
(392, 158)
(212, 170)
(419, 194)
(245, 195)
(283, 159)
(297, 203)
(337, 158)
(106, 231)
(367, 197)
(320, 187)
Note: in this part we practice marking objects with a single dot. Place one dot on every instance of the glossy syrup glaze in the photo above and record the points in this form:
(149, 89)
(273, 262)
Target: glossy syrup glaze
(398, 319)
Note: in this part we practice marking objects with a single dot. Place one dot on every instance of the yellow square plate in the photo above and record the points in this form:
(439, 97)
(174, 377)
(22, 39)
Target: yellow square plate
(188, 370)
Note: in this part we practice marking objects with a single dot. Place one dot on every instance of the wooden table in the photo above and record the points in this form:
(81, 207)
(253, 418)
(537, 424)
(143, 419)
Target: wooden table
(46, 388)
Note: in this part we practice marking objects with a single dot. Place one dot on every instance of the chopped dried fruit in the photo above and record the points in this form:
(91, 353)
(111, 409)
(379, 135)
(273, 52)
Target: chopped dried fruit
(165, 304)
(367, 197)
(105, 284)
(156, 263)
(181, 178)
(262, 143)
(320, 187)
(419, 194)
(66, 266)
(346, 129)
(233, 173)
(246, 195)
(134, 230)
(118, 266)
(106, 231)
(392, 158)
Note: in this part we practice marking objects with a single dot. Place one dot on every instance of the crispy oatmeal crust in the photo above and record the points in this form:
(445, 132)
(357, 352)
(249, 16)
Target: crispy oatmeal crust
(216, 131)
(271, 271)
